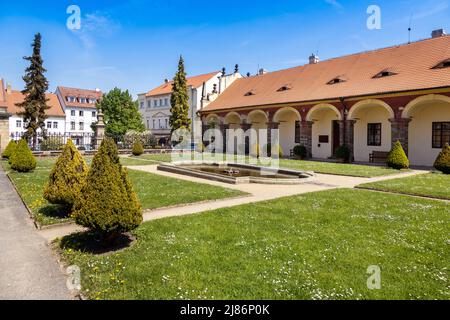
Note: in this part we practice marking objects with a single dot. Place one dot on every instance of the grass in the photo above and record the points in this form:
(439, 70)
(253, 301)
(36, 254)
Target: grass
(154, 191)
(314, 246)
(434, 185)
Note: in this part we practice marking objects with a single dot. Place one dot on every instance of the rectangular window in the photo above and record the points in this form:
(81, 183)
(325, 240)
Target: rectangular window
(148, 124)
(81, 126)
(159, 123)
(374, 134)
(81, 113)
(441, 134)
(297, 131)
(72, 126)
(142, 105)
(154, 127)
(160, 102)
(149, 103)
(49, 125)
(166, 101)
(94, 114)
(167, 123)
(155, 103)
(72, 113)
(18, 123)
(55, 125)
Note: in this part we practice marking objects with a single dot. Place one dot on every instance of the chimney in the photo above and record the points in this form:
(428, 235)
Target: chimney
(438, 33)
(166, 81)
(313, 59)
(262, 71)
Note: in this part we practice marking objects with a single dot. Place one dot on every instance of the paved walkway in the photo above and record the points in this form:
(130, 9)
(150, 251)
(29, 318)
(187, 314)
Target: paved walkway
(257, 193)
(28, 267)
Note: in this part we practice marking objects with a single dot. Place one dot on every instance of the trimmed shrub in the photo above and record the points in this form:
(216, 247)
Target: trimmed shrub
(67, 177)
(442, 162)
(9, 150)
(397, 158)
(138, 149)
(300, 151)
(22, 160)
(107, 204)
(343, 153)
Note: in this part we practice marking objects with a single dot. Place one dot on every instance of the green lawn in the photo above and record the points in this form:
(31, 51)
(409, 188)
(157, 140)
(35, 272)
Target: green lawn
(314, 246)
(154, 191)
(434, 185)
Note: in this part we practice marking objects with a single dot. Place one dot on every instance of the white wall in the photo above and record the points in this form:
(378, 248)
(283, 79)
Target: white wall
(87, 119)
(287, 131)
(323, 125)
(59, 120)
(421, 152)
(372, 114)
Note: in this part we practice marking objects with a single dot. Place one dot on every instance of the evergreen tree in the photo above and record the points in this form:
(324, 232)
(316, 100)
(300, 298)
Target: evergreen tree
(121, 112)
(107, 202)
(67, 177)
(9, 150)
(22, 160)
(35, 104)
(179, 112)
(442, 162)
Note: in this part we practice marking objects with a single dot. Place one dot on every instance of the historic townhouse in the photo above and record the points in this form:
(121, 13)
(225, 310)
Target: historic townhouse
(155, 105)
(80, 109)
(366, 101)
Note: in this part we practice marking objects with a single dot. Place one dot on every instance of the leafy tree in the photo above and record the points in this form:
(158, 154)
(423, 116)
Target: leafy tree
(35, 104)
(397, 158)
(9, 150)
(22, 160)
(107, 204)
(442, 162)
(67, 177)
(121, 112)
(179, 100)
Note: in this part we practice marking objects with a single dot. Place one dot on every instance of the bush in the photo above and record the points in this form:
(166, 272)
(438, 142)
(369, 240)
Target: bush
(397, 158)
(67, 177)
(107, 204)
(22, 160)
(343, 153)
(9, 150)
(300, 151)
(52, 144)
(442, 162)
(138, 149)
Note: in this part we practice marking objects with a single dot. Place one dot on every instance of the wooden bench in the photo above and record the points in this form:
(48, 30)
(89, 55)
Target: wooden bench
(378, 156)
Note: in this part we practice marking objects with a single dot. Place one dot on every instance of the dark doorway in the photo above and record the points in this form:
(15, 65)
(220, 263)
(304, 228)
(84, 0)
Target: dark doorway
(336, 136)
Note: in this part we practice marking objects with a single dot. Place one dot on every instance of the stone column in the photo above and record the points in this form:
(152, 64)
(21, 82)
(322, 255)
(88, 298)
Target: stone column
(271, 126)
(246, 126)
(306, 136)
(100, 132)
(399, 131)
(349, 137)
(4, 129)
(223, 131)
(341, 132)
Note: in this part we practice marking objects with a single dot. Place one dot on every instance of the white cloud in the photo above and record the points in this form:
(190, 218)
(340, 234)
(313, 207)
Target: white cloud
(336, 4)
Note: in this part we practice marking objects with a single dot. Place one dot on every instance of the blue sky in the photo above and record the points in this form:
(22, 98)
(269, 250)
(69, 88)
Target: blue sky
(136, 44)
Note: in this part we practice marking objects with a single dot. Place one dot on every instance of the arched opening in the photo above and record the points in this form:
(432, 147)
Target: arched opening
(429, 128)
(289, 128)
(258, 137)
(233, 120)
(372, 129)
(325, 130)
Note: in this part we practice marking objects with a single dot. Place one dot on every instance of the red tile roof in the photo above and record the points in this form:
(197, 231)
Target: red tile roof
(15, 97)
(79, 93)
(195, 82)
(412, 66)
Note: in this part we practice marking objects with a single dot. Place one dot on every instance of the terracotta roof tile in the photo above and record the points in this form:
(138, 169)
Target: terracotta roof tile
(195, 82)
(79, 93)
(15, 97)
(412, 64)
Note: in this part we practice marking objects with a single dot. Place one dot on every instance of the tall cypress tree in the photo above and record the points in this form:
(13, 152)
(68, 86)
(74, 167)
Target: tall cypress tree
(179, 117)
(36, 84)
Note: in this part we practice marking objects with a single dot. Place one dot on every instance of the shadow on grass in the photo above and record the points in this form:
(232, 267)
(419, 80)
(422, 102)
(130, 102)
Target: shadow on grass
(94, 243)
(55, 211)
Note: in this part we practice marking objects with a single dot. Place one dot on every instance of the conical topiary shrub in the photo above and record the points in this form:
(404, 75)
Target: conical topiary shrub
(442, 162)
(22, 160)
(138, 149)
(397, 158)
(9, 150)
(107, 202)
(67, 177)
